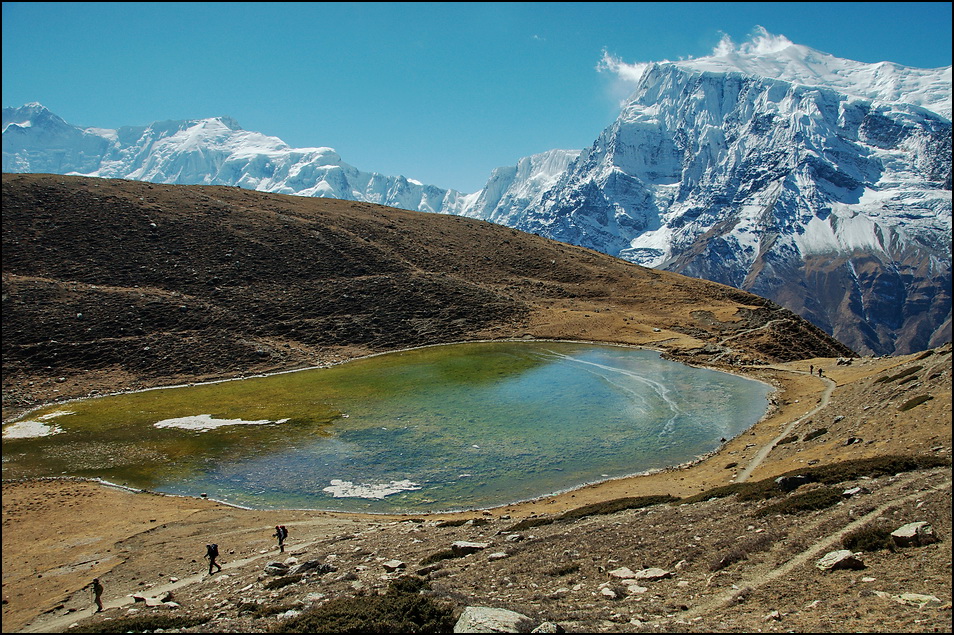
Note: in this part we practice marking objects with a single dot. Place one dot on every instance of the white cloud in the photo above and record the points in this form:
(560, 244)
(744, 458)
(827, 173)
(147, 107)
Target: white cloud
(761, 42)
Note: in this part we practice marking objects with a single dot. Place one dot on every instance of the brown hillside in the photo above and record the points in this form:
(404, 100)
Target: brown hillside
(119, 284)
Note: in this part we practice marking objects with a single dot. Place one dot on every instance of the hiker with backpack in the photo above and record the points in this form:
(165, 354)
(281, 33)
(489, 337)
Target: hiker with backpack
(212, 552)
(97, 587)
(281, 533)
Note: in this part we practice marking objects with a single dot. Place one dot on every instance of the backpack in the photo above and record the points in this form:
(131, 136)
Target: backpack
(212, 551)
(282, 532)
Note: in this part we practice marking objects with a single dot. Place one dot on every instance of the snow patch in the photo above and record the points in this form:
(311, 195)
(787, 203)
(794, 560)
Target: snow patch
(204, 423)
(347, 489)
(33, 428)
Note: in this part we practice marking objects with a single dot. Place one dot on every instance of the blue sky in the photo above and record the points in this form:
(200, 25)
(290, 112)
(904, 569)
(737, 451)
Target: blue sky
(439, 92)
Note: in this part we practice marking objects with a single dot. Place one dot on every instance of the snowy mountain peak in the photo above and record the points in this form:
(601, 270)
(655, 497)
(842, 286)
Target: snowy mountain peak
(776, 57)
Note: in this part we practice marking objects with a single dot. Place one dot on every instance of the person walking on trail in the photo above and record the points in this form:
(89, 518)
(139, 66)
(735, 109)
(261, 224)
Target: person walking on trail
(97, 587)
(281, 533)
(212, 552)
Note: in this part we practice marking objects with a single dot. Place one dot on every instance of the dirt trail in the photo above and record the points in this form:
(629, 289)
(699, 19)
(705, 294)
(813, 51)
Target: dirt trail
(767, 448)
(816, 550)
(58, 623)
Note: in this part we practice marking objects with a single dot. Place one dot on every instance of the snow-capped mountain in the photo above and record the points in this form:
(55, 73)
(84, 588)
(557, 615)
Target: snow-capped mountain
(213, 151)
(821, 183)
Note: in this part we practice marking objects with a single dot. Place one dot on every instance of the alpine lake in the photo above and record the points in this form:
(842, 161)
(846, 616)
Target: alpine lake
(439, 428)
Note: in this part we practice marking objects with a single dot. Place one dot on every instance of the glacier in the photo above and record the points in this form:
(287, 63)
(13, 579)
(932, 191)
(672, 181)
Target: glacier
(820, 183)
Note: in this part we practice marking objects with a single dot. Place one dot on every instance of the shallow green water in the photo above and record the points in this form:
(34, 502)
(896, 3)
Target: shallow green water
(438, 428)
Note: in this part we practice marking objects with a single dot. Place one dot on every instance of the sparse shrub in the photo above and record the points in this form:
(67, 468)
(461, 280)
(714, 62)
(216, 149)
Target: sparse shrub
(904, 373)
(875, 466)
(141, 624)
(451, 523)
(826, 474)
(809, 501)
(446, 554)
(869, 539)
(596, 509)
(924, 355)
(616, 505)
(259, 611)
(723, 491)
(530, 523)
(399, 610)
(814, 434)
(564, 570)
(742, 550)
(917, 401)
(792, 438)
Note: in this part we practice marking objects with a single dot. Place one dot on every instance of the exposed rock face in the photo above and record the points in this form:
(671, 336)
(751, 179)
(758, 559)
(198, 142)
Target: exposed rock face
(834, 206)
(482, 619)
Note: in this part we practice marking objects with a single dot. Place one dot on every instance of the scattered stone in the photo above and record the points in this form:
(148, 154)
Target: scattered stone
(427, 570)
(608, 592)
(790, 483)
(499, 555)
(393, 565)
(548, 627)
(623, 573)
(514, 537)
(313, 566)
(463, 547)
(483, 619)
(841, 559)
(633, 588)
(914, 535)
(653, 573)
(912, 599)
(854, 491)
(148, 601)
(276, 568)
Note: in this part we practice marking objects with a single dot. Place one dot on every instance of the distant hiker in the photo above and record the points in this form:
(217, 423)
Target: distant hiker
(97, 594)
(821, 373)
(811, 369)
(281, 533)
(212, 552)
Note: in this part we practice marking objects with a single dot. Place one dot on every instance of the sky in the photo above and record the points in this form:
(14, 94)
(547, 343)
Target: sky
(442, 93)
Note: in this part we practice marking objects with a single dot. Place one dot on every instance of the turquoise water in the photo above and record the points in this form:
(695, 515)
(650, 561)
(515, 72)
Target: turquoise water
(433, 429)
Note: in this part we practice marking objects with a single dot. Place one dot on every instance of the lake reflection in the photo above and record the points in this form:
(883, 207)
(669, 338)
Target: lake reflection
(433, 429)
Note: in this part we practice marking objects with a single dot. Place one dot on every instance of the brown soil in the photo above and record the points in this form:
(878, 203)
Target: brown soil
(95, 275)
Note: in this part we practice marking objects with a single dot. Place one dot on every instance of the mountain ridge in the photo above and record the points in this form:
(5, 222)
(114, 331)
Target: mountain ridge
(825, 187)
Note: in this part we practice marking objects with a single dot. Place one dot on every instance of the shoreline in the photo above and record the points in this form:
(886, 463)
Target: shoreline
(774, 391)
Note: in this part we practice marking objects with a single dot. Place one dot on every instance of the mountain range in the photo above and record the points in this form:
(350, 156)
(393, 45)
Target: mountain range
(820, 183)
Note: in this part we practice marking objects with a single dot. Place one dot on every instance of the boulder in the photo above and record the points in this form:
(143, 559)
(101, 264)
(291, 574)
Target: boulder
(841, 559)
(914, 535)
(483, 619)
